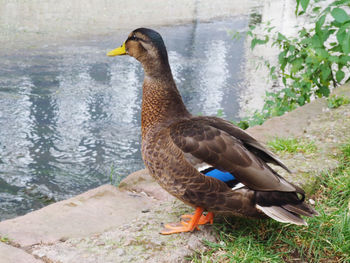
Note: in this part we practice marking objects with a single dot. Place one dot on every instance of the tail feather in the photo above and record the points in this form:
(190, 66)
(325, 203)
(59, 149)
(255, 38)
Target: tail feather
(301, 209)
(282, 215)
(286, 207)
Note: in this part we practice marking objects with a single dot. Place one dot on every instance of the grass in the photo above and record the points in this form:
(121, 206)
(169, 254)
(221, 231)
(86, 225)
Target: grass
(326, 239)
(337, 101)
(4, 239)
(114, 178)
(292, 145)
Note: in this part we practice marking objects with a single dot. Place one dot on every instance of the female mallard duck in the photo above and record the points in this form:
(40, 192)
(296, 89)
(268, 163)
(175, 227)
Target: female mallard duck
(206, 162)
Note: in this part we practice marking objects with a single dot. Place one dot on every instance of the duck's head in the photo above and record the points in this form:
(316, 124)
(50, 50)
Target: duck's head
(147, 46)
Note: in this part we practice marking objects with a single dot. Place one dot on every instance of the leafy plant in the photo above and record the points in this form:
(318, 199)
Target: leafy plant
(310, 64)
(336, 101)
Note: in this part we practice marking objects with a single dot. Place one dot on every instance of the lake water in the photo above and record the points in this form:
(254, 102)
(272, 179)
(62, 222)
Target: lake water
(70, 115)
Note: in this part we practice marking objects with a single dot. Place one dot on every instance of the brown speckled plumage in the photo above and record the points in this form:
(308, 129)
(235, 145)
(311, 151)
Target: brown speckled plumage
(174, 143)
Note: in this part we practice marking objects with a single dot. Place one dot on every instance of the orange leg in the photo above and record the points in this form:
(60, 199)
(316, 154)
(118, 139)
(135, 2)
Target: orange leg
(205, 219)
(188, 226)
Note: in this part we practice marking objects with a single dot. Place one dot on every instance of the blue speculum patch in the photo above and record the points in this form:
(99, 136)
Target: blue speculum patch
(222, 176)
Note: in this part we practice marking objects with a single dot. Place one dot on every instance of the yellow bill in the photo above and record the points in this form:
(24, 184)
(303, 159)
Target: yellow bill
(118, 51)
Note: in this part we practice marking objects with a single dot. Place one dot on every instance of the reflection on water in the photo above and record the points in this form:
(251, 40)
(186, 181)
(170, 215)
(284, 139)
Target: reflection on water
(216, 67)
(68, 113)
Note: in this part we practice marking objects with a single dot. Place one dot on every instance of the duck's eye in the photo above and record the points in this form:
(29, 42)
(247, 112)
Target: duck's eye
(133, 37)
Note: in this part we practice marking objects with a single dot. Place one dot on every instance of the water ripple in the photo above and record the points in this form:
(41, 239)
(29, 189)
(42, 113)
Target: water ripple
(70, 116)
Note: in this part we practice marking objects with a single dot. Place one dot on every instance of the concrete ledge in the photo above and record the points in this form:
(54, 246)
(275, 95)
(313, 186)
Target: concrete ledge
(91, 212)
(141, 181)
(11, 254)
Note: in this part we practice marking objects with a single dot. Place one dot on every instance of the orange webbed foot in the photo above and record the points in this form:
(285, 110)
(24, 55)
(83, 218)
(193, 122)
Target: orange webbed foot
(191, 222)
(179, 227)
(204, 219)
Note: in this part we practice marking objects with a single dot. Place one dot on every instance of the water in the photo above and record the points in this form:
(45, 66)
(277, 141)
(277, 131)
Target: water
(70, 115)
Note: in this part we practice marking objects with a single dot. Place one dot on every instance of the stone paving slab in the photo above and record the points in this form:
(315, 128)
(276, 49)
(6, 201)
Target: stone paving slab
(10, 254)
(82, 215)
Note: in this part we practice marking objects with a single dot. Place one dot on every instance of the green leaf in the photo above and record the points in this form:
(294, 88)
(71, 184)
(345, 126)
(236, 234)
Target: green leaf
(326, 72)
(251, 28)
(334, 23)
(319, 25)
(323, 91)
(346, 43)
(297, 7)
(282, 60)
(301, 101)
(253, 43)
(316, 42)
(316, 9)
(340, 15)
(344, 26)
(305, 41)
(243, 124)
(333, 59)
(341, 36)
(336, 49)
(322, 53)
(304, 4)
(303, 32)
(284, 80)
(291, 48)
(339, 75)
(296, 65)
(281, 37)
(289, 92)
(272, 70)
(256, 41)
(344, 59)
(270, 29)
(327, 33)
(291, 58)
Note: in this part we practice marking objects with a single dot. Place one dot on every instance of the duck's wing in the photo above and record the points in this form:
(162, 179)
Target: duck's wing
(201, 139)
(248, 141)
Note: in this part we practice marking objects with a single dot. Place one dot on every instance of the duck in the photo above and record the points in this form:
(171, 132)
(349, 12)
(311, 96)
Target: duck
(205, 161)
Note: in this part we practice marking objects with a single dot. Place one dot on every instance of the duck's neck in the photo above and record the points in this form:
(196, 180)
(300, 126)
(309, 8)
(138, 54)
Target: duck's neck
(161, 101)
